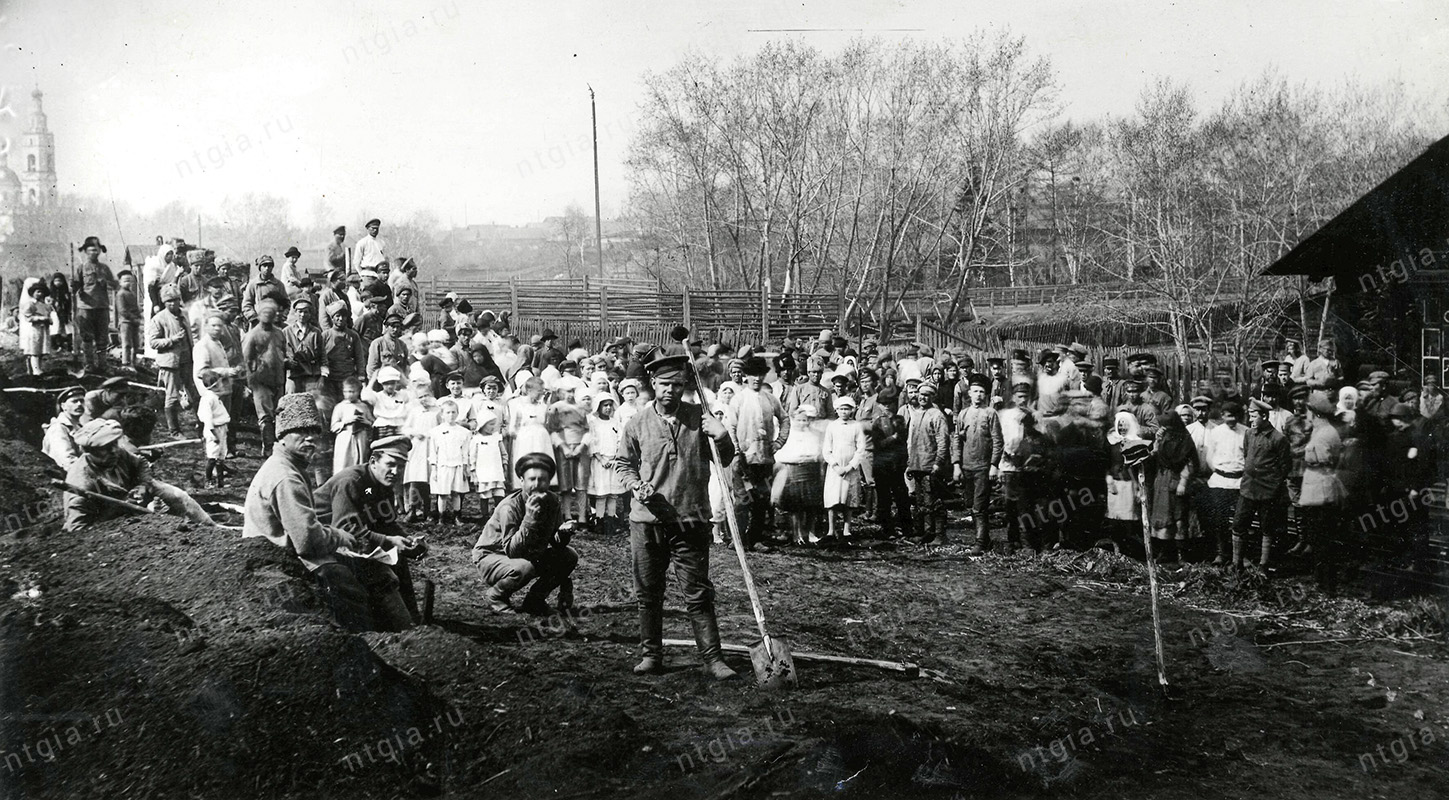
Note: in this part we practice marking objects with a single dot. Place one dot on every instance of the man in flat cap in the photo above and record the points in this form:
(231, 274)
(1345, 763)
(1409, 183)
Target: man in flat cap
(760, 429)
(107, 469)
(976, 453)
(1262, 492)
(1112, 393)
(304, 348)
(107, 401)
(59, 441)
(928, 463)
(359, 501)
(389, 349)
(264, 351)
(525, 541)
(664, 460)
(369, 250)
(361, 593)
(168, 333)
(264, 286)
(337, 252)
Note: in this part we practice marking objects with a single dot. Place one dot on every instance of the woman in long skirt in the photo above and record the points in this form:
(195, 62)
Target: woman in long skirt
(799, 486)
(35, 319)
(1175, 456)
(1123, 502)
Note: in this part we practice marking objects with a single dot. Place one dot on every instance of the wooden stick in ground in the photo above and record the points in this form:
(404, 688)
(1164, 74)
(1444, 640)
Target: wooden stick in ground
(132, 507)
(894, 666)
(164, 445)
(1141, 474)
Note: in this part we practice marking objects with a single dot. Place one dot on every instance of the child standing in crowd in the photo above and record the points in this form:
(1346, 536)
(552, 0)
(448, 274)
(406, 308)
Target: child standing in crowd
(422, 417)
(448, 444)
(629, 401)
(35, 315)
(486, 455)
(211, 413)
(568, 424)
(390, 404)
(352, 422)
(602, 445)
(128, 319)
(60, 299)
(843, 450)
(526, 427)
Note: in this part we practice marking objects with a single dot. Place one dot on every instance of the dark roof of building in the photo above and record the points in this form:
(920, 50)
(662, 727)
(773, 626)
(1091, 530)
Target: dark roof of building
(1397, 219)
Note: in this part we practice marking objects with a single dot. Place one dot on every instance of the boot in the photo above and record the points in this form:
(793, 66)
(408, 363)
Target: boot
(173, 421)
(208, 477)
(1263, 554)
(498, 594)
(706, 637)
(938, 529)
(1222, 552)
(983, 538)
(1237, 563)
(535, 603)
(651, 641)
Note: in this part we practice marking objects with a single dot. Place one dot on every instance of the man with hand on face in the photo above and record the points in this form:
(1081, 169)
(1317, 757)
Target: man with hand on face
(524, 541)
(664, 459)
(265, 286)
(362, 594)
(359, 501)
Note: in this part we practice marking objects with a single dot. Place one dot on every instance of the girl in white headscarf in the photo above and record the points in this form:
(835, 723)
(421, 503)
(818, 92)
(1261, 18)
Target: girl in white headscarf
(1121, 487)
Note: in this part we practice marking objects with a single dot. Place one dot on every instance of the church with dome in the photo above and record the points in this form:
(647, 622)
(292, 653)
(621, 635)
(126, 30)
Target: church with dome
(28, 184)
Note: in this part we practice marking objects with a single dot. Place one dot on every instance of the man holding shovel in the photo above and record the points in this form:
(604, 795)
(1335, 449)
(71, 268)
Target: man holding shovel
(106, 472)
(664, 459)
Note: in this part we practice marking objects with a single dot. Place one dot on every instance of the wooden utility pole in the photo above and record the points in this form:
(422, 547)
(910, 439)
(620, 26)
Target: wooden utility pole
(598, 218)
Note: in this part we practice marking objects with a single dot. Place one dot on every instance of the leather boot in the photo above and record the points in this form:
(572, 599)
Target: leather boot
(651, 641)
(1237, 562)
(1263, 554)
(499, 593)
(1222, 552)
(706, 637)
(938, 529)
(173, 420)
(983, 536)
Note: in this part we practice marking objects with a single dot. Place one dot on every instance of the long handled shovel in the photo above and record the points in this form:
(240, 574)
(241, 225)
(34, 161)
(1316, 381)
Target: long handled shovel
(89, 495)
(1151, 576)
(774, 666)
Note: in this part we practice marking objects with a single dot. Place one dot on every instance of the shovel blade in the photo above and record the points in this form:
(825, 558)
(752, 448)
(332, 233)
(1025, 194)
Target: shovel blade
(774, 666)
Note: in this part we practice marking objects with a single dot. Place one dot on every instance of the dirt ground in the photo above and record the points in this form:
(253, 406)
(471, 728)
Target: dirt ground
(153, 658)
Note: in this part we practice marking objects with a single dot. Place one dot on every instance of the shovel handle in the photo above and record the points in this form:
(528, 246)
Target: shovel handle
(104, 498)
(736, 536)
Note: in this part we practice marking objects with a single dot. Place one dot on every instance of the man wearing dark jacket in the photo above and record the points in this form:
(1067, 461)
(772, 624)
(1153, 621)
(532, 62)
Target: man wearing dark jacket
(1267, 461)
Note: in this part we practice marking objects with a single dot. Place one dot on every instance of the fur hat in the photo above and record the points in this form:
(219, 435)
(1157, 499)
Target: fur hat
(297, 412)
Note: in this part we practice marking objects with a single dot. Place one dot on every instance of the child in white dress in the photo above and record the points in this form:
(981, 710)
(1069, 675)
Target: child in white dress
(844, 449)
(569, 424)
(448, 444)
(422, 417)
(526, 427)
(489, 473)
(389, 401)
(606, 488)
(35, 317)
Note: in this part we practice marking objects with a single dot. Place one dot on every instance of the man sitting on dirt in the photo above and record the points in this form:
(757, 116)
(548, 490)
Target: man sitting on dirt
(359, 501)
(106, 469)
(522, 542)
(59, 443)
(279, 508)
(107, 401)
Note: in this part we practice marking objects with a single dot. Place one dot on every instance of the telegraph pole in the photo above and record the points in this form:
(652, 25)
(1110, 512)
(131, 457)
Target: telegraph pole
(598, 219)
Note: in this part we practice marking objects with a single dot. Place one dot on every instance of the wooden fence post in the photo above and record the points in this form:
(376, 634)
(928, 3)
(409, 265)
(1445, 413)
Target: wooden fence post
(603, 312)
(513, 300)
(684, 301)
(764, 313)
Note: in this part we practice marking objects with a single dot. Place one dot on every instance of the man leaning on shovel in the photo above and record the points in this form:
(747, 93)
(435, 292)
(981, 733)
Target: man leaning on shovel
(664, 459)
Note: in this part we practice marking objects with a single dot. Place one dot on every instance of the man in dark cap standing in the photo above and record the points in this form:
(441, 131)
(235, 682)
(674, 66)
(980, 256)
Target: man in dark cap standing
(664, 459)
(976, 453)
(548, 353)
(1112, 393)
(389, 349)
(337, 251)
(263, 287)
(264, 350)
(1262, 492)
(368, 253)
(291, 275)
(304, 348)
(525, 540)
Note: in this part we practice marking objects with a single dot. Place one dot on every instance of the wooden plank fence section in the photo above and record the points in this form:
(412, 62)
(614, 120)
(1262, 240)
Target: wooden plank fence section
(594, 312)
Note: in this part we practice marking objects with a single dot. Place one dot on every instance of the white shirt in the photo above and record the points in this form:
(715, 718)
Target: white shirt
(1224, 448)
(1011, 432)
(368, 253)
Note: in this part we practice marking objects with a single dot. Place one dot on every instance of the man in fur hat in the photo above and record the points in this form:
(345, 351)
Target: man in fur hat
(362, 593)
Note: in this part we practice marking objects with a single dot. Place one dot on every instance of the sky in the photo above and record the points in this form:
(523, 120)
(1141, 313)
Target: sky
(479, 110)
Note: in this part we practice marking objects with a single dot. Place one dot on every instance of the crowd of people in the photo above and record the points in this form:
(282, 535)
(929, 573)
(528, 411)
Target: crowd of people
(443, 413)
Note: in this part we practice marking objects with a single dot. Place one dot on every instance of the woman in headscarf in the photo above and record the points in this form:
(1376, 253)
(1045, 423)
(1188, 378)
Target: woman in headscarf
(60, 300)
(1122, 497)
(799, 484)
(1175, 457)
